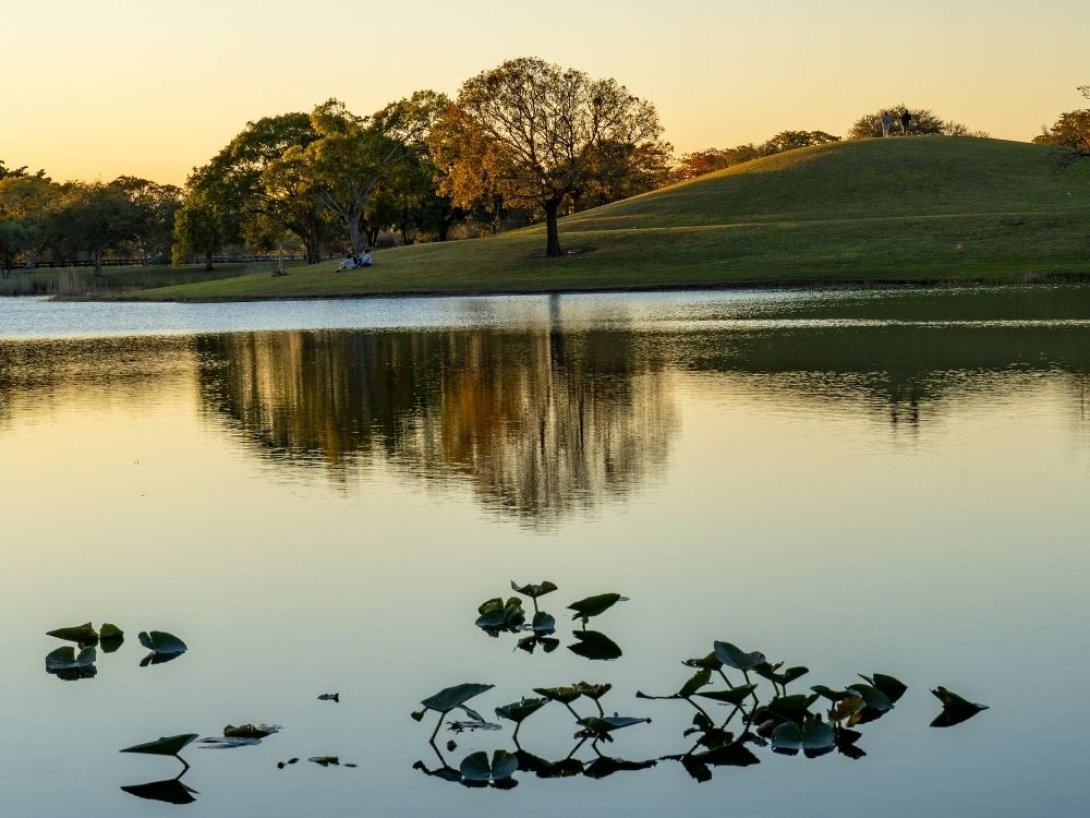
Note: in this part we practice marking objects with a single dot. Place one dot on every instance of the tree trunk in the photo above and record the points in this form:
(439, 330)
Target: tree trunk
(98, 262)
(208, 259)
(552, 232)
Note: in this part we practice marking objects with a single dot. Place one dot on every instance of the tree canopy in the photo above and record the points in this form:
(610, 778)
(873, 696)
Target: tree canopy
(532, 132)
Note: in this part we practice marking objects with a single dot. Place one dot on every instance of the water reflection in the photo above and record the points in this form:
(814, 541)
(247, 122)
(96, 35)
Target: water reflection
(542, 424)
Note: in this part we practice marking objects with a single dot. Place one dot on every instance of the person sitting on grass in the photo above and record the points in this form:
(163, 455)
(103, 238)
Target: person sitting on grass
(348, 264)
(367, 260)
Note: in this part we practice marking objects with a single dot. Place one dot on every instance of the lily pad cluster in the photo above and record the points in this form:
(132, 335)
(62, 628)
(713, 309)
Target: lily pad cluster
(498, 615)
(743, 704)
(68, 664)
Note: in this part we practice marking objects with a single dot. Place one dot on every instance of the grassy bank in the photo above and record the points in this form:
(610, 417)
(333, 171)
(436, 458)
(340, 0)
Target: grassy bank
(926, 209)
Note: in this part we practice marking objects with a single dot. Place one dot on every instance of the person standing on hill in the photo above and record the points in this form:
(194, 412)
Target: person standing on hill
(887, 123)
(906, 118)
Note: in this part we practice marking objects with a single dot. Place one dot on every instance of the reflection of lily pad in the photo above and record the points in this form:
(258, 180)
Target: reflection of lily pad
(813, 736)
(165, 746)
(245, 735)
(890, 686)
(171, 791)
(83, 634)
(734, 695)
(595, 645)
(65, 658)
(476, 766)
(600, 727)
(154, 658)
(564, 695)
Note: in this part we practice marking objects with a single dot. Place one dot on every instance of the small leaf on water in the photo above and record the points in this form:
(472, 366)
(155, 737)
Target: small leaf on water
(325, 761)
(711, 662)
(564, 695)
(892, 687)
(250, 730)
(475, 767)
(955, 709)
(595, 605)
(84, 634)
(698, 680)
(161, 642)
(521, 710)
(593, 691)
(504, 765)
(111, 632)
(874, 697)
(165, 746)
(534, 591)
(735, 657)
(734, 695)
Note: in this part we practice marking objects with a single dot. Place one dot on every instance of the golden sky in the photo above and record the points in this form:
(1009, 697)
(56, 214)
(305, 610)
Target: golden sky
(146, 88)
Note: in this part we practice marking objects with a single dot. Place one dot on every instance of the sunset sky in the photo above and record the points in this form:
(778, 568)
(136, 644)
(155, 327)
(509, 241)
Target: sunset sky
(150, 89)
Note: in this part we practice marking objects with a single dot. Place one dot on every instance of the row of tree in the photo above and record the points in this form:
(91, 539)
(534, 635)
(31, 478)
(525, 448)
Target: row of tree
(40, 217)
(525, 141)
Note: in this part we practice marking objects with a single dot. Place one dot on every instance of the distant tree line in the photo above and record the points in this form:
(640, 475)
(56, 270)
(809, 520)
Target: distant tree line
(43, 220)
(524, 142)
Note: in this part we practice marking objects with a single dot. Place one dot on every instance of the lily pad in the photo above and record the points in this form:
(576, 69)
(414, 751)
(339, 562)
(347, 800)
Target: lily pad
(165, 746)
(955, 709)
(543, 624)
(892, 687)
(599, 727)
(162, 642)
(325, 761)
(84, 634)
(813, 735)
(733, 656)
(709, 662)
(595, 605)
(874, 697)
(534, 591)
(450, 697)
(497, 615)
(521, 710)
(564, 695)
(593, 691)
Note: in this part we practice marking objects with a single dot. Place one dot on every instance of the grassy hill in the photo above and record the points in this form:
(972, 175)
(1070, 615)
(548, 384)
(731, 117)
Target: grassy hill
(923, 209)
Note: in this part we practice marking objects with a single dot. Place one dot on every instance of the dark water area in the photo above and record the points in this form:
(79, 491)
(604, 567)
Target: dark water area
(317, 498)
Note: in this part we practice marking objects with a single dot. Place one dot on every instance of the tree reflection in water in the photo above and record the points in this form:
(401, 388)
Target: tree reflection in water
(541, 425)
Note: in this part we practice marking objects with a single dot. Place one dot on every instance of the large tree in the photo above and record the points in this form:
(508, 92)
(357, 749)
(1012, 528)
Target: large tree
(93, 218)
(353, 156)
(535, 133)
(155, 205)
(251, 205)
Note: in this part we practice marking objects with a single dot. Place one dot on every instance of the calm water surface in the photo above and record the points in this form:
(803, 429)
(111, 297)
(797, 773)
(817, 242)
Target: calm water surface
(317, 497)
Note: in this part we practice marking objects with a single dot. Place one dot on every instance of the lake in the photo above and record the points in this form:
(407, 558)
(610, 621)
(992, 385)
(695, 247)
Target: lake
(317, 496)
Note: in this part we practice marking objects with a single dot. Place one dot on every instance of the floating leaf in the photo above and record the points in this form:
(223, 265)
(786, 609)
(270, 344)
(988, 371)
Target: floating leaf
(595, 605)
(847, 708)
(773, 674)
(595, 645)
(874, 697)
(330, 697)
(162, 642)
(108, 631)
(521, 710)
(830, 694)
(325, 761)
(791, 708)
(593, 692)
(165, 746)
(154, 658)
(710, 662)
(564, 695)
(599, 727)
(890, 686)
(698, 680)
(250, 730)
(735, 657)
(955, 709)
(450, 697)
(84, 634)
(734, 695)
(534, 591)
(547, 643)
(497, 615)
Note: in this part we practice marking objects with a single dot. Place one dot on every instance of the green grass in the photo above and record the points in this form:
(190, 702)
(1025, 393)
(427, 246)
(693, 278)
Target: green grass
(925, 209)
